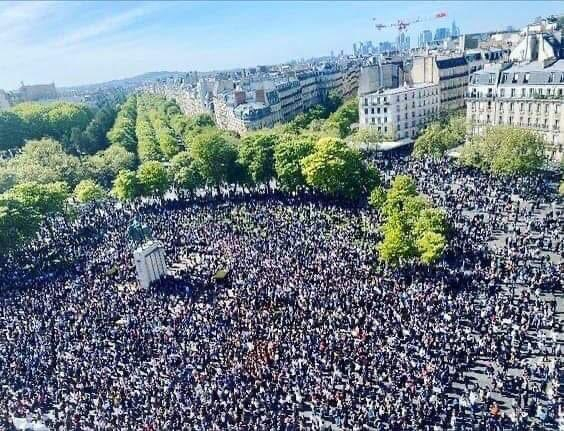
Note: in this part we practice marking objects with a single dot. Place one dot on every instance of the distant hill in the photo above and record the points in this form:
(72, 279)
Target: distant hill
(127, 82)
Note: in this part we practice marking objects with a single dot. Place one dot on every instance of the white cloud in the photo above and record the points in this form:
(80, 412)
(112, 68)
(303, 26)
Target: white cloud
(103, 26)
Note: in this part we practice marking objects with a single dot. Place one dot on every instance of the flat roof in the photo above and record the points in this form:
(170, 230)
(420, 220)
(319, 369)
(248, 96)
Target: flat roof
(399, 90)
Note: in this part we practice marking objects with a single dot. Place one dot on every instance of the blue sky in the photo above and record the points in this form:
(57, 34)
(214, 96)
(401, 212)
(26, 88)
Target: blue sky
(72, 43)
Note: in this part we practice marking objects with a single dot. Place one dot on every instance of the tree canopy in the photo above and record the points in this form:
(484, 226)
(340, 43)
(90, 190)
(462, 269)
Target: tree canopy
(412, 228)
(337, 170)
(88, 191)
(505, 150)
(215, 157)
(288, 155)
(439, 137)
(152, 178)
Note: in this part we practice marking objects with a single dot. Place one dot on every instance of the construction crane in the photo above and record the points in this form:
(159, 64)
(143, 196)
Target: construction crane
(402, 24)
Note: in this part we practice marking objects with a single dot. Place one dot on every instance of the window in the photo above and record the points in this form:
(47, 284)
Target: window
(366, 101)
(526, 78)
(521, 107)
(504, 77)
(366, 110)
(512, 92)
(385, 110)
(501, 92)
(515, 78)
(546, 108)
(397, 98)
(378, 110)
(372, 110)
(511, 106)
(562, 77)
(551, 77)
(373, 120)
(556, 108)
(522, 92)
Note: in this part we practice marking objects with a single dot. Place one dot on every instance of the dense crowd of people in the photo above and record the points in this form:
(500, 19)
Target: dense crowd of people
(309, 330)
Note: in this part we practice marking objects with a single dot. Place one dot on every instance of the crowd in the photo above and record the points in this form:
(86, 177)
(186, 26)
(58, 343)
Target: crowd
(308, 332)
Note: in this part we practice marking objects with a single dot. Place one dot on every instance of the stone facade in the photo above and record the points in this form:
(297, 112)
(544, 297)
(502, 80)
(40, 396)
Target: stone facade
(522, 95)
(450, 73)
(400, 113)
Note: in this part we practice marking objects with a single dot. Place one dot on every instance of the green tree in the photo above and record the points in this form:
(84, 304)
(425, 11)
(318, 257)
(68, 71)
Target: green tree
(256, 155)
(505, 150)
(13, 131)
(430, 246)
(377, 197)
(412, 227)
(183, 172)
(288, 154)
(152, 178)
(215, 157)
(123, 131)
(45, 161)
(44, 199)
(368, 136)
(337, 170)
(88, 191)
(126, 187)
(397, 245)
(342, 119)
(18, 223)
(104, 166)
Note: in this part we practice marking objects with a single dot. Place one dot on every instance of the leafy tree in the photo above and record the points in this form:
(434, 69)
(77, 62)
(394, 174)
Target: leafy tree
(215, 157)
(411, 228)
(18, 222)
(288, 154)
(440, 136)
(256, 155)
(13, 131)
(368, 136)
(377, 197)
(337, 170)
(123, 131)
(430, 246)
(88, 191)
(184, 173)
(126, 187)
(104, 166)
(505, 150)
(397, 244)
(45, 161)
(44, 199)
(152, 178)
(342, 119)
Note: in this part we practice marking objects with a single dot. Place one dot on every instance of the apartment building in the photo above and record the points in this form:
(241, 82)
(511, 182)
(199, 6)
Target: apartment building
(400, 113)
(526, 93)
(249, 102)
(450, 73)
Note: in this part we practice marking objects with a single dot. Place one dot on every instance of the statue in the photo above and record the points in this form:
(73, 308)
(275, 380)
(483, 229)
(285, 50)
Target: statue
(138, 233)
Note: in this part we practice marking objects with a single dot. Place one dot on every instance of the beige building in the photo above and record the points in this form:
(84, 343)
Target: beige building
(527, 94)
(449, 73)
(400, 113)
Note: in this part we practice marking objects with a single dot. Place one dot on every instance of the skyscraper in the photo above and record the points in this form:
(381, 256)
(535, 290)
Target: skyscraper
(425, 38)
(442, 33)
(354, 49)
(454, 31)
(402, 42)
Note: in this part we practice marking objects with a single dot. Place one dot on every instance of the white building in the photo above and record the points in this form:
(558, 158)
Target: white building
(400, 113)
(526, 94)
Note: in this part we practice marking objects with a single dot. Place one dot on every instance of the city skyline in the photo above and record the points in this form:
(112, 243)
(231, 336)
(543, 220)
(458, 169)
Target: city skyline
(89, 42)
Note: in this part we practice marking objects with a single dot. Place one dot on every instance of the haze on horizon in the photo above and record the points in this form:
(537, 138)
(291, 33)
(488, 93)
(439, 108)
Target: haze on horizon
(75, 43)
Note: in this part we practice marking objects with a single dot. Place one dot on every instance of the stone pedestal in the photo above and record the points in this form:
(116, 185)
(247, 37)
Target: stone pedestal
(150, 262)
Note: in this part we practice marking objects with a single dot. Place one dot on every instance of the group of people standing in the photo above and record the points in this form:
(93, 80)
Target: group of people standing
(308, 332)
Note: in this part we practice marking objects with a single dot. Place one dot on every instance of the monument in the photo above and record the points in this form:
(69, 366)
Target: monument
(148, 255)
